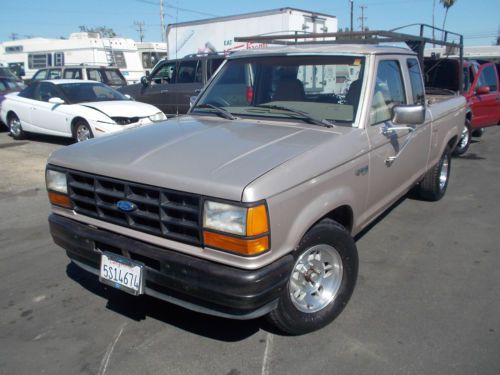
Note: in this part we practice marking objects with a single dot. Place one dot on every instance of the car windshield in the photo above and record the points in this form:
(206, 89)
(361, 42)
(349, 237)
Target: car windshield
(324, 89)
(90, 92)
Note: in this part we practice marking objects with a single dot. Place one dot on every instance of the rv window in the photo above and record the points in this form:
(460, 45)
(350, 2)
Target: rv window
(59, 59)
(149, 59)
(38, 61)
(73, 73)
(119, 59)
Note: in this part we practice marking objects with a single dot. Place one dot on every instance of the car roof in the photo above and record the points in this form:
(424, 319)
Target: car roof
(322, 49)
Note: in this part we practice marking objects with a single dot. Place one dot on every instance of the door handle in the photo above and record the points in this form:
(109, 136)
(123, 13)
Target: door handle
(163, 91)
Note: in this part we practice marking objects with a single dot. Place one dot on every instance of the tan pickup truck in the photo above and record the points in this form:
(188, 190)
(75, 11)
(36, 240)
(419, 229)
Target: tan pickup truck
(247, 206)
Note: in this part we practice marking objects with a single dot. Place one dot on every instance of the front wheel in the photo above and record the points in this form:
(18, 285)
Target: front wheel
(463, 144)
(82, 131)
(433, 185)
(321, 281)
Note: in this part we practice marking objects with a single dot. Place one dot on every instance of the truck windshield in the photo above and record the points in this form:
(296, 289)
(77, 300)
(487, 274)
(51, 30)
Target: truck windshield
(325, 88)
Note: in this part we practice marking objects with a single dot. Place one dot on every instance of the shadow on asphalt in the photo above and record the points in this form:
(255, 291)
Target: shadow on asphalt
(138, 308)
(42, 138)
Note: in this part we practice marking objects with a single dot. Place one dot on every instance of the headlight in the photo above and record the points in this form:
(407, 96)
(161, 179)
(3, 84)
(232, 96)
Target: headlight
(160, 116)
(247, 227)
(56, 181)
(57, 188)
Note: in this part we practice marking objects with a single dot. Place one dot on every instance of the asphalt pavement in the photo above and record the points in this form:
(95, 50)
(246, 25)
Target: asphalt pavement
(427, 299)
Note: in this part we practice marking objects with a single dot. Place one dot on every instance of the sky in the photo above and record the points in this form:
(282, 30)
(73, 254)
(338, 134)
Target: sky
(477, 20)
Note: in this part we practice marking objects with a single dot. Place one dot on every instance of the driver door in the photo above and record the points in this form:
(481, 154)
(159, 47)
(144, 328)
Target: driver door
(49, 117)
(389, 178)
(160, 89)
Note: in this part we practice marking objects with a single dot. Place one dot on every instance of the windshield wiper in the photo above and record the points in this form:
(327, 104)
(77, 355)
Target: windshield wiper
(221, 111)
(303, 115)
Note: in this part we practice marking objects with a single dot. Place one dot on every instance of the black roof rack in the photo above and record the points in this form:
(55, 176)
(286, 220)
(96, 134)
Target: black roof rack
(416, 42)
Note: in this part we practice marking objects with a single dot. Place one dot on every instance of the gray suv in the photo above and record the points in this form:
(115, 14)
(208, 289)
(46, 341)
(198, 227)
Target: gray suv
(172, 82)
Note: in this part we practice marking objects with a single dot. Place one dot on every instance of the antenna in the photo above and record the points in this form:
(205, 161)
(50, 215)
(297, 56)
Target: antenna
(362, 18)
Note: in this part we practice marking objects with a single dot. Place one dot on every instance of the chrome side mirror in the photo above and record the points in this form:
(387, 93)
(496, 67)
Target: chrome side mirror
(408, 114)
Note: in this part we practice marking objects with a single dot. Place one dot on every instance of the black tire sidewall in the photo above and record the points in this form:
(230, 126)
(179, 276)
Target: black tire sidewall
(441, 191)
(325, 232)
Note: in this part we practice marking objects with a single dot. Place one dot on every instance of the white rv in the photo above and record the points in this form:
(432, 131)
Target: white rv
(217, 34)
(29, 55)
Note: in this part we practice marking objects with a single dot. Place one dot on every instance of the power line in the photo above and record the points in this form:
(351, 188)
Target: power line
(139, 27)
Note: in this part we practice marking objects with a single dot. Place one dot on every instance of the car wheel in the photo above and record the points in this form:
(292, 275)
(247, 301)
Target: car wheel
(433, 185)
(321, 281)
(15, 127)
(464, 142)
(82, 131)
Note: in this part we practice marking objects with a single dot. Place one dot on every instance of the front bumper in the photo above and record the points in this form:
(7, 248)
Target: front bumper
(184, 280)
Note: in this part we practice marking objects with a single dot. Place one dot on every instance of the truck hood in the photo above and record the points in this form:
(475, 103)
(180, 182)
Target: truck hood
(203, 155)
(122, 108)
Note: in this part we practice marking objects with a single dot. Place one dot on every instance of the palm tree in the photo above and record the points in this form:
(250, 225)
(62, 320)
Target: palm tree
(447, 4)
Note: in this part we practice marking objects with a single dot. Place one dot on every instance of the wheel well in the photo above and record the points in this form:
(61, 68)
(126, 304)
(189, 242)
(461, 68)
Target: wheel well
(342, 215)
(10, 114)
(452, 142)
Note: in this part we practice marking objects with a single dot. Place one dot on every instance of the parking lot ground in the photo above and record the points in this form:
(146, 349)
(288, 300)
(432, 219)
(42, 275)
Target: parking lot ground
(427, 299)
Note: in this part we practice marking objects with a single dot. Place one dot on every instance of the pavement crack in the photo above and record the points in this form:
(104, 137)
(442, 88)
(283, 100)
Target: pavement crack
(105, 360)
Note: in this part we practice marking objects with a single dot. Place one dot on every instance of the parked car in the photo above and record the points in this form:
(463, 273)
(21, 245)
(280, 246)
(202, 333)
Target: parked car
(8, 73)
(481, 89)
(172, 82)
(248, 205)
(74, 108)
(8, 85)
(105, 74)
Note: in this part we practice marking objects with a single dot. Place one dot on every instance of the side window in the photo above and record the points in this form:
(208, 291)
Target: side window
(40, 60)
(119, 59)
(29, 91)
(3, 86)
(189, 72)
(46, 91)
(73, 74)
(41, 74)
(488, 78)
(54, 74)
(213, 65)
(388, 91)
(58, 58)
(164, 74)
(417, 87)
(94, 75)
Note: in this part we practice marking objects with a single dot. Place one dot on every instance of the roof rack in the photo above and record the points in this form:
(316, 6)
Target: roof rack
(415, 42)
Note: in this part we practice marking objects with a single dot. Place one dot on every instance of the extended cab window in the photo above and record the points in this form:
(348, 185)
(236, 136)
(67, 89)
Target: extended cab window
(388, 92)
(417, 87)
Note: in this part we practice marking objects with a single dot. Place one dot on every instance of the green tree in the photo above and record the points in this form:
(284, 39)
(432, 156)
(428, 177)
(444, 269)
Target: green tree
(447, 4)
(105, 32)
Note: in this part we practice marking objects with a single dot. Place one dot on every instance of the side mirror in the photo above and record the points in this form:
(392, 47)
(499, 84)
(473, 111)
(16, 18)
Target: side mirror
(481, 90)
(145, 80)
(192, 100)
(56, 100)
(408, 114)
(128, 97)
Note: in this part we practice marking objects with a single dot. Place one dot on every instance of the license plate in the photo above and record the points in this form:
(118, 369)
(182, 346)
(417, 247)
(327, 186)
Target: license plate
(122, 273)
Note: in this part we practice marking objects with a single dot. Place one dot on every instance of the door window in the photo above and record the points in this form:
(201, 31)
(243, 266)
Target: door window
(29, 91)
(54, 74)
(388, 91)
(189, 72)
(95, 75)
(73, 73)
(213, 65)
(488, 78)
(46, 91)
(41, 74)
(164, 74)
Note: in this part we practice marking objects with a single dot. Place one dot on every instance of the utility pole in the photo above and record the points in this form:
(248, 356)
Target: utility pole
(14, 36)
(139, 27)
(362, 18)
(352, 14)
(162, 20)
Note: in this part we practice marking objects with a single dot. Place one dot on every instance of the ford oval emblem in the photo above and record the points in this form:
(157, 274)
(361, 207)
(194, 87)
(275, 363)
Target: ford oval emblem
(126, 206)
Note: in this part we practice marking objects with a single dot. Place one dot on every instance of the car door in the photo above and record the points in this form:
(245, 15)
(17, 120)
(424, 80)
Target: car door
(397, 158)
(48, 117)
(485, 106)
(189, 83)
(160, 90)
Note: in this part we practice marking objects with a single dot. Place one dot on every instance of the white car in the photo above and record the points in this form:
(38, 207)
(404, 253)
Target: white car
(74, 108)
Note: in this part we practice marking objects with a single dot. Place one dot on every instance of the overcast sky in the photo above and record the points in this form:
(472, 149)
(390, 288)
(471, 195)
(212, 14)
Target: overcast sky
(477, 20)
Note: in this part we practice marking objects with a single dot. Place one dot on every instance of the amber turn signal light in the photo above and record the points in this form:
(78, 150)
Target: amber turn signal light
(59, 199)
(257, 220)
(237, 245)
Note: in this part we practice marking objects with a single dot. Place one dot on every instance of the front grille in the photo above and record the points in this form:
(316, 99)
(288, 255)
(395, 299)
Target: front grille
(167, 213)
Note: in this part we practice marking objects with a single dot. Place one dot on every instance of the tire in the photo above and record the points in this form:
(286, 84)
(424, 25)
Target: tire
(464, 142)
(82, 131)
(478, 132)
(15, 127)
(433, 185)
(320, 283)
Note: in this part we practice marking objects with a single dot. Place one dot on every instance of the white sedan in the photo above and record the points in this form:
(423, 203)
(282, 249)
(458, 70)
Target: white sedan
(73, 108)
